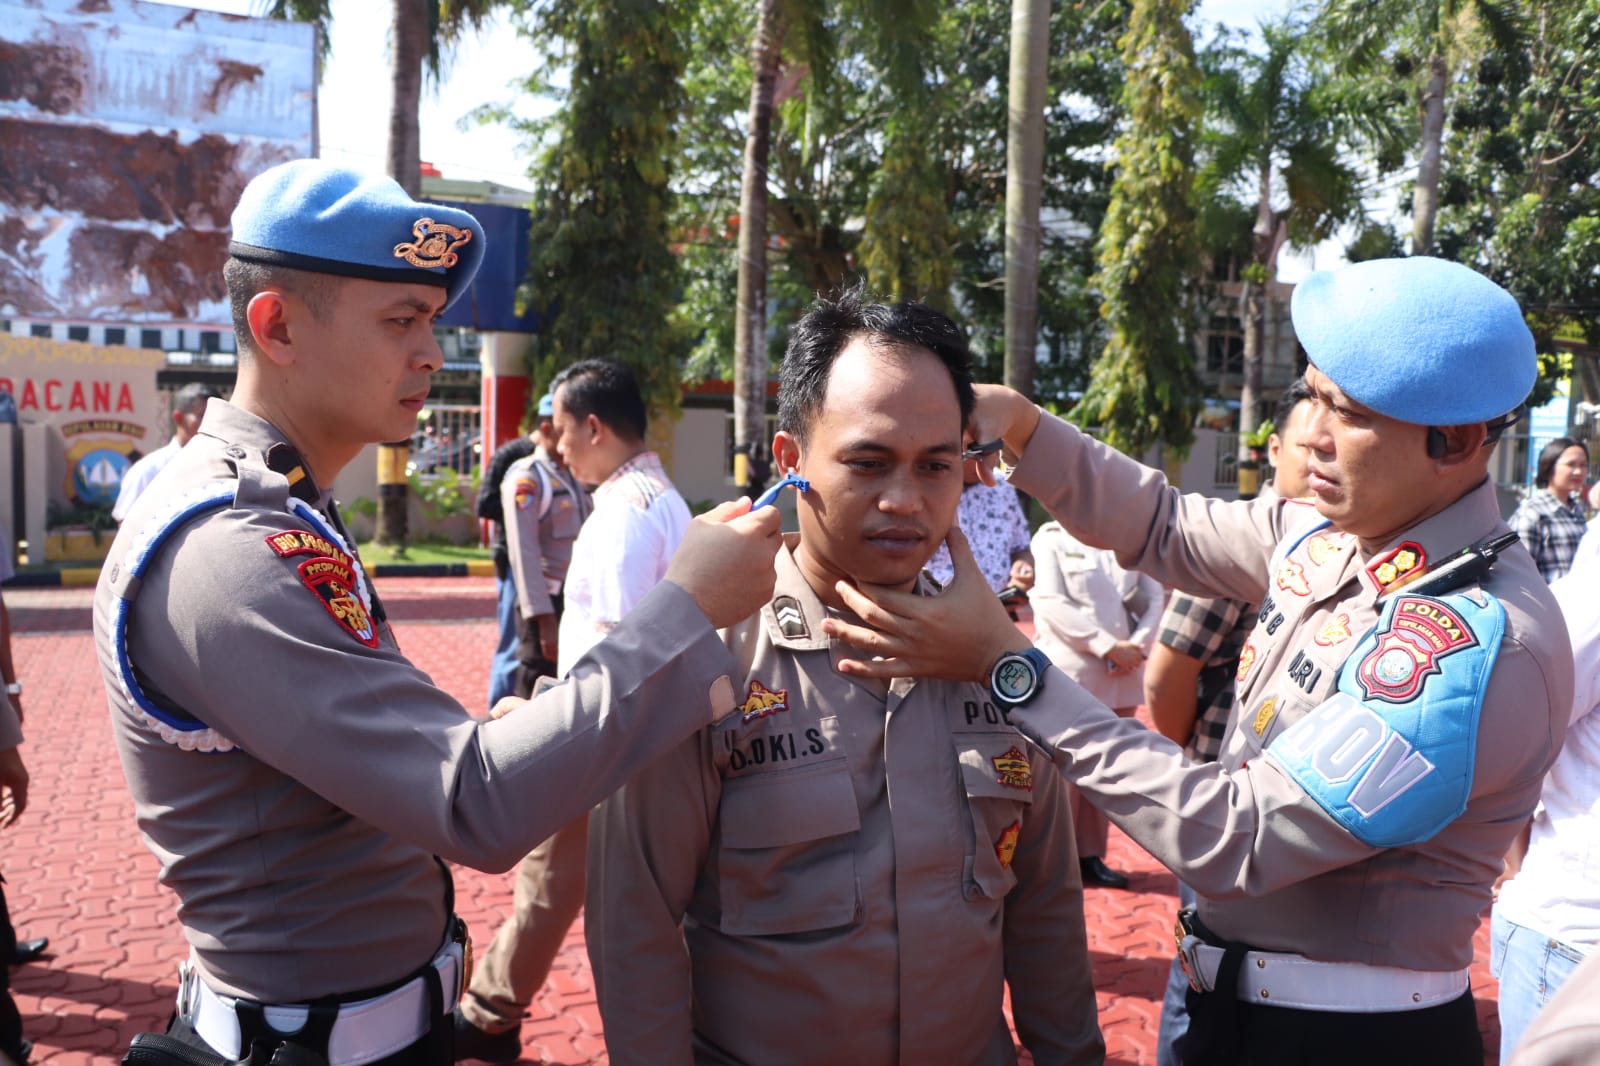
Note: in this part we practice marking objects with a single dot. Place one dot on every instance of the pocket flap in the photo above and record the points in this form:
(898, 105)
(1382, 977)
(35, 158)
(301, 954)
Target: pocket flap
(791, 807)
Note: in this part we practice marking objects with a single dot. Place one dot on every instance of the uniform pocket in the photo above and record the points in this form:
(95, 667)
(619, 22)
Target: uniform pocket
(786, 856)
(997, 777)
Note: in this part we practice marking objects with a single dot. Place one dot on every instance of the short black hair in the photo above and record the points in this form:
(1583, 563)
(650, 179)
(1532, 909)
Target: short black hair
(244, 280)
(829, 326)
(1550, 455)
(608, 390)
(1297, 393)
(191, 399)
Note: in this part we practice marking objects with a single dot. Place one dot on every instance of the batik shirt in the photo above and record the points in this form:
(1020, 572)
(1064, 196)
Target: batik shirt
(992, 519)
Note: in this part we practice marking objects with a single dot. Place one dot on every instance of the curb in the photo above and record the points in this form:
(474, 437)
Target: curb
(86, 576)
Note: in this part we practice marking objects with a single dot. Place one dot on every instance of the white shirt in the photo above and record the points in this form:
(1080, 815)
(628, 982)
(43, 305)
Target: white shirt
(621, 552)
(1557, 891)
(137, 478)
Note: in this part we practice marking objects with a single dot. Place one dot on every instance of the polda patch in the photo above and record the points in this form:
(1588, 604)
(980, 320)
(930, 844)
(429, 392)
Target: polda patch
(1419, 634)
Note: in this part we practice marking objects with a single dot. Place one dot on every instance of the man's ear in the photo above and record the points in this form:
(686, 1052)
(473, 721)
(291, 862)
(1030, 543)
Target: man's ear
(1462, 444)
(1274, 448)
(786, 453)
(269, 315)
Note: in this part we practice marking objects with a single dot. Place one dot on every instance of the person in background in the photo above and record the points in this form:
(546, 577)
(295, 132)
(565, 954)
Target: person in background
(991, 518)
(1567, 1031)
(621, 553)
(848, 873)
(14, 1048)
(490, 508)
(544, 506)
(1546, 915)
(1095, 621)
(188, 408)
(1188, 679)
(1551, 522)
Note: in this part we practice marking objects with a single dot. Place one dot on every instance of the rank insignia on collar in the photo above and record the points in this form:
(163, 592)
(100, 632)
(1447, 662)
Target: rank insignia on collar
(762, 702)
(791, 619)
(435, 245)
(1005, 849)
(1420, 632)
(1321, 548)
(1013, 769)
(1292, 578)
(1388, 569)
(1247, 659)
(1335, 630)
(1264, 716)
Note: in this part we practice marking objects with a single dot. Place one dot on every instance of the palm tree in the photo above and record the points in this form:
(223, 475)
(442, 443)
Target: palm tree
(1276, 126)
(1396, 33)
(1030, 52)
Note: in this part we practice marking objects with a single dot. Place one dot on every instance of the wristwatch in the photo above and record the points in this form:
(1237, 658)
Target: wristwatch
(13, 688)
(1016, 677)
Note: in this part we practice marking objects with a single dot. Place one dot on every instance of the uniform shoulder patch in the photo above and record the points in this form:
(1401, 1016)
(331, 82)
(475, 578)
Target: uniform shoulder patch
(329, 573)
(1391, 755)
(526, 490)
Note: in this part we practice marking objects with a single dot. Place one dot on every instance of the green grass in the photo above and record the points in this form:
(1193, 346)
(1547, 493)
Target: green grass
(423, 552)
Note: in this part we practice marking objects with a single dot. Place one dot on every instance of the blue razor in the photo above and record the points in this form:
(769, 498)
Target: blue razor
(771, 495)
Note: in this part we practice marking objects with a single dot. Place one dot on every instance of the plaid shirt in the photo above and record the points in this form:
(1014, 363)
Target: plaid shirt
(1550, 530)
(1212, 631)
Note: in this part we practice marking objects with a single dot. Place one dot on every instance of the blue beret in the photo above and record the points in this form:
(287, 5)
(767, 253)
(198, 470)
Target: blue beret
(1423, 340)
(312, 215)
(547, 406)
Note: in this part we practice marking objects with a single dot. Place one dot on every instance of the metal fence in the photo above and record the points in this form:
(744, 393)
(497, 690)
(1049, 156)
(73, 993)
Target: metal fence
(449, 438)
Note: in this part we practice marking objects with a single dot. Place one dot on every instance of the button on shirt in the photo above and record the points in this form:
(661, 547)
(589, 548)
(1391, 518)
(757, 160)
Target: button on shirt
(622, 551)
(1273, 869)
(991, 518)
(842, 873)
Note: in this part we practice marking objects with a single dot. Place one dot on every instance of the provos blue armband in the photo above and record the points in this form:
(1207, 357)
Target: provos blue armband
(1391, 755)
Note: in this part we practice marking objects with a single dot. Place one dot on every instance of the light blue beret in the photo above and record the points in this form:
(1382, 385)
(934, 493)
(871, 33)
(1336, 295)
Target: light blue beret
(1423, 340)
(310, 214)
(547, 406)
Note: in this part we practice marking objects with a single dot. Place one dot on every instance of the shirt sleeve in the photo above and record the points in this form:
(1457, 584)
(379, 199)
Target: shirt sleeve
(1144, 626)
(647, 845)
(1046, 943)
(521, 499)
(1195, 543)
(228, 631)
(638, 545)
(1198, 626)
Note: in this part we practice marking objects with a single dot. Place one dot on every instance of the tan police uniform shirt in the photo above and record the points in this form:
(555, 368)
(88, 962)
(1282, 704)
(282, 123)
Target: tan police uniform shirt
(857, 872)
(1273, 869)
(539, 536)
(301, 843)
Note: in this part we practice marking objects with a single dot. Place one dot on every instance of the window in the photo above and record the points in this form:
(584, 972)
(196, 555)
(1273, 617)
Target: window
(116, 335)
(39, 331)
(150, 338)
(77, 333)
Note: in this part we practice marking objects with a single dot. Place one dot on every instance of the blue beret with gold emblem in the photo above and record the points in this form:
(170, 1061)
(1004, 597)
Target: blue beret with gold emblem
(547, 406)
(1422, 340)
(310, 214)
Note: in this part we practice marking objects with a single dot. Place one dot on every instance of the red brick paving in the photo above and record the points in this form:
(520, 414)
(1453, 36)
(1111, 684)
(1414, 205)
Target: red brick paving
(77, 872)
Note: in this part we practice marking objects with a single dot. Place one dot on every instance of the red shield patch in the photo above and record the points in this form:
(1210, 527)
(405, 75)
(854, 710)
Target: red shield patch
(1420, 633)
(330, 575)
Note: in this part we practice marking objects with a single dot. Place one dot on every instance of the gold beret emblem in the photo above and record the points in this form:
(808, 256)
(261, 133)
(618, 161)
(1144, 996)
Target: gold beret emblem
(435, 245)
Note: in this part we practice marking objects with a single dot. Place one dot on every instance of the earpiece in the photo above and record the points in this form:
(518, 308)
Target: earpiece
(1436, 443)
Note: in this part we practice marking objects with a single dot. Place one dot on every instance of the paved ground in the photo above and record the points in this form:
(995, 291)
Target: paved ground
(76, 871)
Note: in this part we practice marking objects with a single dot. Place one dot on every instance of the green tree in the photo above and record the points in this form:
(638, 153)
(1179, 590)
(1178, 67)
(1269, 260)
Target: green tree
(601, 270)
(1519, 201)
(1279, 137)
(1423, 43)
(1143, 388)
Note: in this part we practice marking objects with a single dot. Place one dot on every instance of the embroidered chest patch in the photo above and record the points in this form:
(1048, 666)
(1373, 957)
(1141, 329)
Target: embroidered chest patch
(329, 573)
(1420, 632)
(1321, 548)
(1335, 630)
(763, 702)
(1292, 578)
(1013, 769)
(1247, 659)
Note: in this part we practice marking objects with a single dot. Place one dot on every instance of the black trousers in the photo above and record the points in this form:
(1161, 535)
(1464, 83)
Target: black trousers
(10, 1020)
(1246, 1034)
(531, 663)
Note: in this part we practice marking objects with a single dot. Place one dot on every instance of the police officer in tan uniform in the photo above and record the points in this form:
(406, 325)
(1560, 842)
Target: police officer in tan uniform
(296, 776)
(544, 507)
(846, 871)
(1397, 705)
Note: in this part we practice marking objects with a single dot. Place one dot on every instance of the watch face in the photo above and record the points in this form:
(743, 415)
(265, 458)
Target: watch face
(1014, 678)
